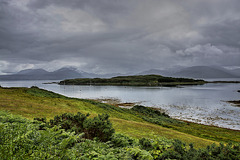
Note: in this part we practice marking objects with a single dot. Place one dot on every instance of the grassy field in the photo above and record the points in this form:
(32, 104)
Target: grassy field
(34, 102)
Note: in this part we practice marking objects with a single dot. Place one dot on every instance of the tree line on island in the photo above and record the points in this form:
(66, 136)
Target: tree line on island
(138, 80)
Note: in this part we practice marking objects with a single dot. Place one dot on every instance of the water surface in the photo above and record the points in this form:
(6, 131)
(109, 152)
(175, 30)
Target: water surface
(204, 104)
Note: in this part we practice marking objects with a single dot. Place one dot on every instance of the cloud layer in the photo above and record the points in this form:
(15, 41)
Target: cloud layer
(118, 36)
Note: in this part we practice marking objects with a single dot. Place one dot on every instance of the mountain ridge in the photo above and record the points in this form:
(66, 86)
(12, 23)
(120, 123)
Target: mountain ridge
(60, 74)
(71, 72)
(205, 72)
(41, 74)
(196, 72)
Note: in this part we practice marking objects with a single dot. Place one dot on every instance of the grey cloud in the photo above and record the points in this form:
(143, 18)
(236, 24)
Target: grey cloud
(103, 6)
(118, 36)
(224, 33)
(210, 54)
(106, 10)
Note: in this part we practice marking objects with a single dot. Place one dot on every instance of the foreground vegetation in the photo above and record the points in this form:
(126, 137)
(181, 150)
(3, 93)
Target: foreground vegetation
(69, 136)
(140, 80)
(133, 127)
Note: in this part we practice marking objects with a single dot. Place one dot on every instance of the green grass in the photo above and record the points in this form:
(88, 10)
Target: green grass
(203, 131)
(34, 102)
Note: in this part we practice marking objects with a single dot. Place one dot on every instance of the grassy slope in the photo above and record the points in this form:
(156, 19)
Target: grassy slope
(33, 102)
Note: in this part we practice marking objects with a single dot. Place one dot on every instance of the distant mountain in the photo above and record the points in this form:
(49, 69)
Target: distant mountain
(60, 74)
(88, 75)
(110, 75)
(236, 72)
(41, 74)
(156, 72)
(32, 72)
(204, 72)
(64, 73)
(71, 73)
(93, 75)
(195, 72)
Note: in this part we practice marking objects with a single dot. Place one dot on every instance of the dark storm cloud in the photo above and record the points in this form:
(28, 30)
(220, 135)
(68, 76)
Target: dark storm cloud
(118, 35)
(224, 33)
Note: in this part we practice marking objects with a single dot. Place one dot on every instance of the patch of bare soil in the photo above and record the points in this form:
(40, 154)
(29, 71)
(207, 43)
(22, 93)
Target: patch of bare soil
(115, 102)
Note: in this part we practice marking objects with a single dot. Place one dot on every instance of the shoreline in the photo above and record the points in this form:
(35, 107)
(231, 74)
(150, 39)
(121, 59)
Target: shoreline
(129, 105)
(223, 82)
(235, 103)
(230, 129)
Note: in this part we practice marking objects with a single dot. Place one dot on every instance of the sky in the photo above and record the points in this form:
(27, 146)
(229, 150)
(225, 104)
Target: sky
(118, 36)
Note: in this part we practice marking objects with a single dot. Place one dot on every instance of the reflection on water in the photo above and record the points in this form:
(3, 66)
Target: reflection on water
(203, 103)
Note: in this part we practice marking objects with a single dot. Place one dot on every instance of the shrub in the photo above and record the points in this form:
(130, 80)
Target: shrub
(137, 153)
(120, 140)
(98, 127)
(70, 122)
(148, 111)
(146, 143)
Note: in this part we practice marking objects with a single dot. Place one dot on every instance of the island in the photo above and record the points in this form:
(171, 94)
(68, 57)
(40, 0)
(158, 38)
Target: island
(136, 80)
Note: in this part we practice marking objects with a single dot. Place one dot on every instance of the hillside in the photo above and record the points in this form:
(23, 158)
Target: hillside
(138, 80)
(78, 137)
(131, 133)
(60, 74)
(40, 74)
(204, 72)
(196, 72)
(32, 72)
(236, 71)
(156, 72)
(34, 102)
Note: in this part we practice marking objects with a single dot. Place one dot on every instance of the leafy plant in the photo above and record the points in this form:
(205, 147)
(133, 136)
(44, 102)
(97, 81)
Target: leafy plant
(120, 140)
(98, 127)
(22, 139)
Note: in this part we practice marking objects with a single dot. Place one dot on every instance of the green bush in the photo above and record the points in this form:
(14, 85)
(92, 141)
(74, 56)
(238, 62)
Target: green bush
(70, 122)
(154, 116)
(98, 127)
(120, 140)
(137, 153)
(149, 112)
(146, 143)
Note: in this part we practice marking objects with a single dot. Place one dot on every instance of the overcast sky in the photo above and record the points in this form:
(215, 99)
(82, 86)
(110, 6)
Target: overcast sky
(104, 36)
